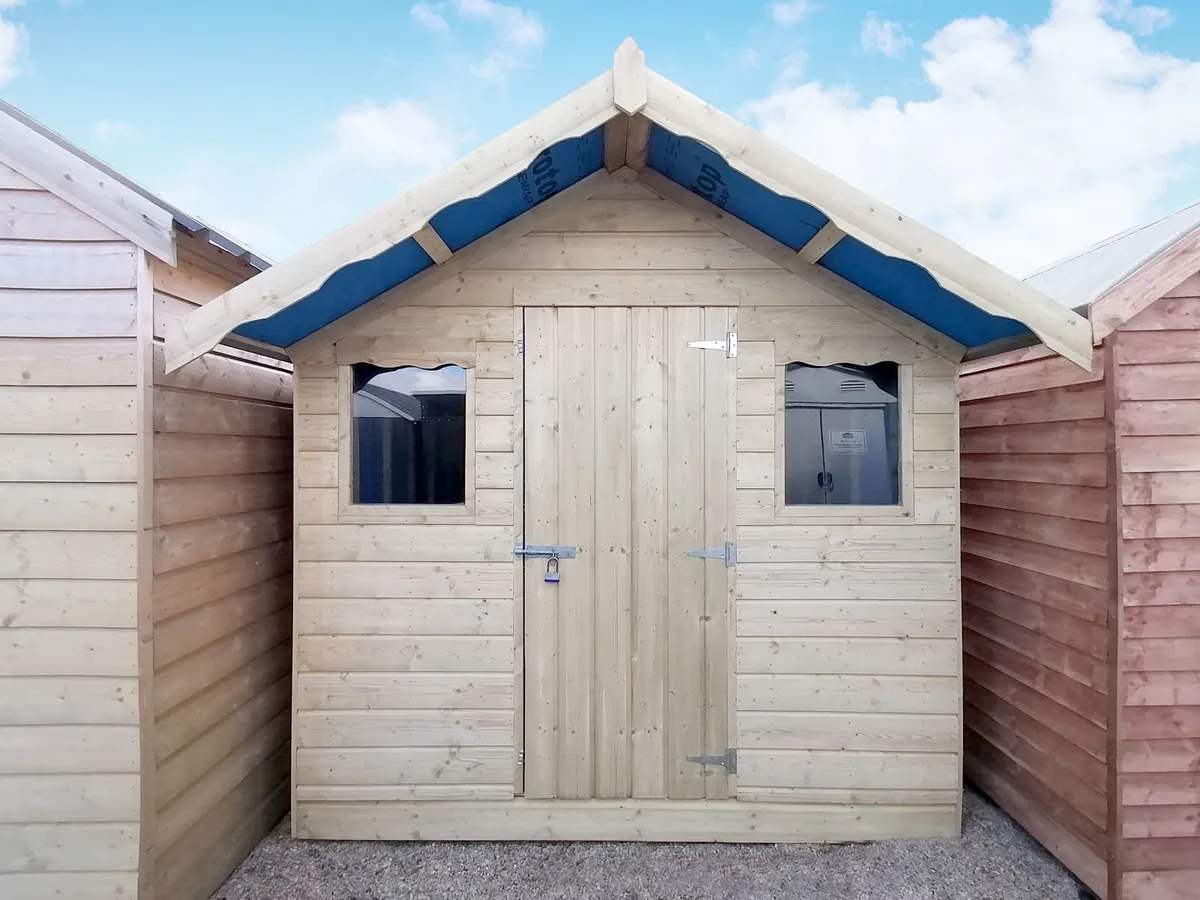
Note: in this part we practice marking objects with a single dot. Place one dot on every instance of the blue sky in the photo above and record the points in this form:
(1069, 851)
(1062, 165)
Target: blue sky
(1024, 129)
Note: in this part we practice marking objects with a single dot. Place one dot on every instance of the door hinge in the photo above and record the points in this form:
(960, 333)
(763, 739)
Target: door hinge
(728, 759)
(545, 551)
(729, 345)
(520, 346)
(728, 553)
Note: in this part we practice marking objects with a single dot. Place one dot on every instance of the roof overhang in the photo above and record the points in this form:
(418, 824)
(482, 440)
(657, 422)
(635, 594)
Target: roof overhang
(630, 118)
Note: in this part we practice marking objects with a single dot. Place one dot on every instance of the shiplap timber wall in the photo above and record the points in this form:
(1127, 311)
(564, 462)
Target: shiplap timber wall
(1035, 511)
(69, 737)
(858, 705)
(222, 588)
(1157, 390)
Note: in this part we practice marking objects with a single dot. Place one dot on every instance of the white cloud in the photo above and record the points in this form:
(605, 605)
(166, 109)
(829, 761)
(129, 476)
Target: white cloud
(1035, 142)
(13, 41)
(790, 12)
(429, 17)
(518, 35)
(109, 130)
(887, 38)
(399, 135)
(1142, 19)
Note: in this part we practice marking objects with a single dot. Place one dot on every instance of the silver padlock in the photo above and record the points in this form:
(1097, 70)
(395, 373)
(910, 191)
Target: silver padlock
(552, 576)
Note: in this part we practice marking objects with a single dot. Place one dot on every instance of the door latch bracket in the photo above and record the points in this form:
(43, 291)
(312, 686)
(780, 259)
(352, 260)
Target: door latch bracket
(545, 551)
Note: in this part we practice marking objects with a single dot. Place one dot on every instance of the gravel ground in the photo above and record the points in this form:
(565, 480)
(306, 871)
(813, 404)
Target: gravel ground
(995, 860)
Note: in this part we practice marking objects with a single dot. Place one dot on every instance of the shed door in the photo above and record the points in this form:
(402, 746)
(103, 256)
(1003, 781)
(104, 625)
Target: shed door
(629, 457)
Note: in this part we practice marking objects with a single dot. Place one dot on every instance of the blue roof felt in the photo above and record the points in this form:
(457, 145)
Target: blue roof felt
(687, 162)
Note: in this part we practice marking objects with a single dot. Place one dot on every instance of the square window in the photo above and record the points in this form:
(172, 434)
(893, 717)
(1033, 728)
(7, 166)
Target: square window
(409, 435)
(842, 435)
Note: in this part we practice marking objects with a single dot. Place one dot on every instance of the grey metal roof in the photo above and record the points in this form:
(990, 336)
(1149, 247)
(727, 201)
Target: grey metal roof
(1086, 276)
(185, 223)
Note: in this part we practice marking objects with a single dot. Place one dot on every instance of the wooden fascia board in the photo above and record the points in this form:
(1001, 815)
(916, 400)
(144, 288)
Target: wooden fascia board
(867, 220)
(363, 318)
(90, 190)
(786, 258)
(282, 285)
(1130, 296)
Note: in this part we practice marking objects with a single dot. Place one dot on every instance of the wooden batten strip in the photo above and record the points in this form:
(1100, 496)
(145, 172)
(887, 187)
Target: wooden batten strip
(431, 242)
(821, 243)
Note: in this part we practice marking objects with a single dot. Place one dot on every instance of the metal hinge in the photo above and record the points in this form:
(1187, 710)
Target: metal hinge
(520, 346)
(545, 551)
(520, 758)
(729, 345)
(727, 553)
(728, 760)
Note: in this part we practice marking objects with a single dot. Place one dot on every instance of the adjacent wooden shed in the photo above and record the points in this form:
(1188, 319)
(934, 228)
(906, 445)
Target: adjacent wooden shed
(1081, 569)
(708, 376)
(145, 521)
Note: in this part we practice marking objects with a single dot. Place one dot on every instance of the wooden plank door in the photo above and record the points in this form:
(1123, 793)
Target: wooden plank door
(628, 457)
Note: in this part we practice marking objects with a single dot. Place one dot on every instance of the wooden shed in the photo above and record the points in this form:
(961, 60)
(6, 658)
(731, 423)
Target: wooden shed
(145, 527)
(709, 378)
(1081, 569)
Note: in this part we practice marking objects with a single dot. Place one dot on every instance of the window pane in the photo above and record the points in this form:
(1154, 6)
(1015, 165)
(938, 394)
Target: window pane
(842, 435)
(410, 435)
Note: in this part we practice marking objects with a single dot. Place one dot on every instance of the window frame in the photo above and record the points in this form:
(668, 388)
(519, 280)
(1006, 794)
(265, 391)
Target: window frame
(797, 514)
(350, 512)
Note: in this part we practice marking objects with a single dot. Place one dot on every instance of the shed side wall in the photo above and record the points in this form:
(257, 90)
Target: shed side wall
(69, 738)
(1035, 515)
(1157, 355)
(222, 560)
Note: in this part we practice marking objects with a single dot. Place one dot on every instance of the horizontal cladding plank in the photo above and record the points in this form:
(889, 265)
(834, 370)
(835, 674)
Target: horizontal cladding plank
(383, 793)
(822, 345)
(847, 693)
(93, 797)
(1170, 654)
(179, 500)
(1160, 453)
(1161, 822)
(1160, 488)
(1062, 628)
(1160, 689)
(66, 265)
(1064, 501)
(1161, 554)
(316, 396)
(1086, 469)
(1180, 621)
(404, 728)
(214, 373)
(935, 506)
(47, 749)
(755, 434)
(1148, 347)
(1148, 723)
(755, 470)
(766, 323)
(69, 410)
(1161, 885)
(466, 581)
(848, 770)
(1050, 530)
(493, 433)
(68, 458)
(201, 455)
(848, 731)
(1160, 789)
(494, 396)
(186, 412)
(183, 589)
(849, 656)
(403, 653)
(67, 362)
(1085, 700)
(1161, 755)
(1071, 597)
(408, 690)
(405, 543)
(101, 652)
(188, 543)
(69, 847)
(189, 282)
(850, 618)
(595, 820)
(76, 885)
(68, 700)
(317, 433)
(756, 397)
(800, 797)
(67, 603)
(985, 687)
(1081, 436)
(935, 432)
(1068, 404)
(1038, 647)
(55, 506)
(404, 765)
(837, 581)
(625, 215)
(1036, 375)
(1071, 565)
(212, 705)
(1168, 854)
(1159, 381)
(847, 543)
(1171, 520)
(1158, 417)
(644, 252)
(199, 627)
(1189, 288)
(441, 326)
(68, 313)
(934, 395)
(495, 359)
(346, 616)
(317, 470)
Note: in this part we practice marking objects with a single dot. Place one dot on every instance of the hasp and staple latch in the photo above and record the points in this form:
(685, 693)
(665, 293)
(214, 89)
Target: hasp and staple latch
(546, 551)
(728, 759)
(729, 345)
(728, 553)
